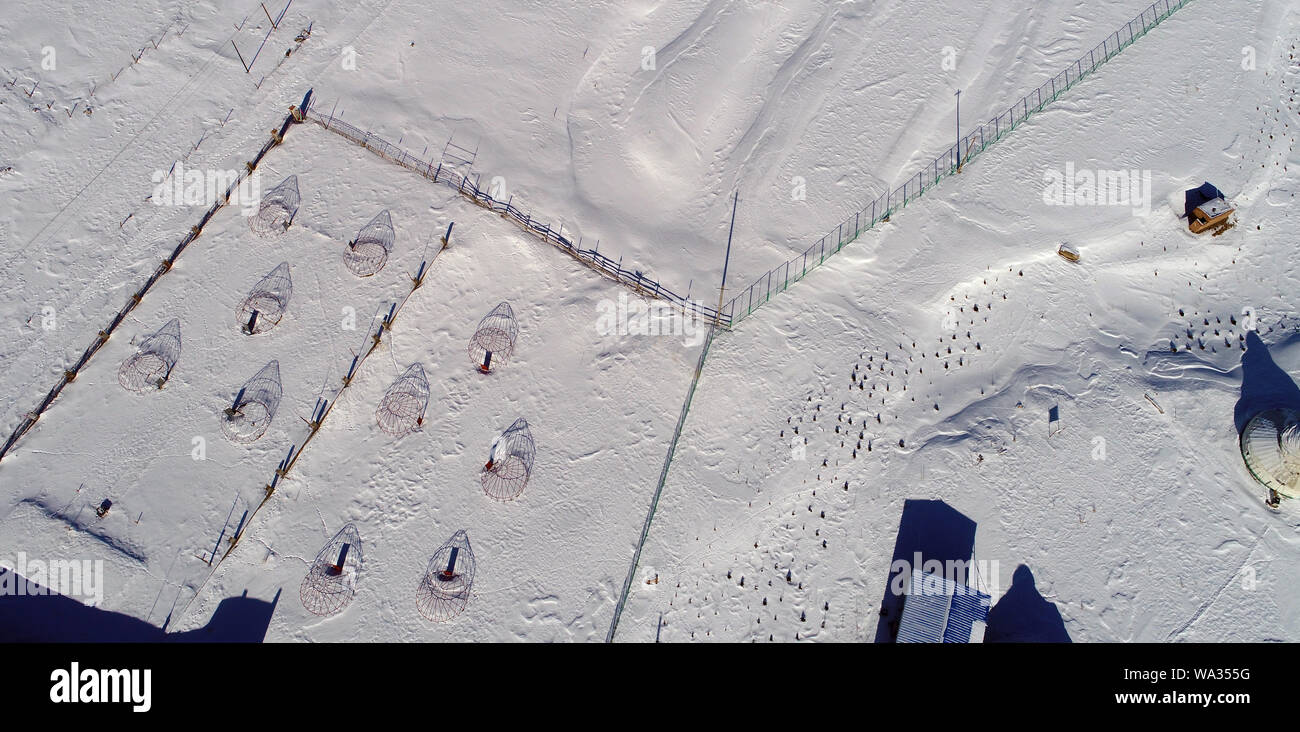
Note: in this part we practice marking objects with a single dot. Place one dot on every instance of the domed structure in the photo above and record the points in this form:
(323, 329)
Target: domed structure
(331, 583)
(495, 336)
(510, 462)
(444, 590)
(1270, 445)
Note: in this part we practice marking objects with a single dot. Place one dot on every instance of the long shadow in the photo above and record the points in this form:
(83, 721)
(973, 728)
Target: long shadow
(1023, 616)
(932, 530)
(53, 618)
(1264, 385)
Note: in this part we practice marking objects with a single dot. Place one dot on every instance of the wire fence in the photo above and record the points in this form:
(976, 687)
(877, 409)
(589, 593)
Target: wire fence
(949, 162)
(659, 488)
(458, 177)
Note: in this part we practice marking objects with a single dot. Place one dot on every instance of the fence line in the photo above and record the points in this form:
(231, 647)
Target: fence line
(69, 375)
(951, 161)
(461, 182)
(659, 488)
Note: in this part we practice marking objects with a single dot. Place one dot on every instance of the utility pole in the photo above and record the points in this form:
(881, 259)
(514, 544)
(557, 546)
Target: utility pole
(958, 130)
(672, 446)
(727, 257)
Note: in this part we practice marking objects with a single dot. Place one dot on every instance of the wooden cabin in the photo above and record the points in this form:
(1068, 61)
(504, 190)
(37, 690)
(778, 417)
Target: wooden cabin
(1205, 207)
(1209, 214)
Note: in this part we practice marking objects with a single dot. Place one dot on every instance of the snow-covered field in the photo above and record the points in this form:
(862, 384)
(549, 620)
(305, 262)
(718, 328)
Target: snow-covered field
(947, 335)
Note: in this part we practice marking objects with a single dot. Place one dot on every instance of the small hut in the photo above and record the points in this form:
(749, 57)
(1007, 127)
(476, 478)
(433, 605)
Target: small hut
(1205, 207)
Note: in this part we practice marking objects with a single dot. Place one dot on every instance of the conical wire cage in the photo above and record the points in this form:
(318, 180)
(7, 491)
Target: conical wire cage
(494, 341)
(510, 463)
(368, 253)
(277, 209)
(331, 582)
(267, 301)
(401, 410)
(448, 579)
(152, 363)
(248, 417)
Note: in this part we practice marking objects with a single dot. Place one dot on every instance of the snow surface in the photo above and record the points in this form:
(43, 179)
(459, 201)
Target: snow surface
(1165, 538)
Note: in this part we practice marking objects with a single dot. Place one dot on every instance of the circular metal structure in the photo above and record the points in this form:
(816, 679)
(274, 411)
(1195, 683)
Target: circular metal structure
(368, 253)
(1270, 445)
(331, 583)
(510, 463)
(276, 209)
(401, 410)
(248, 418)
(266, 302)
(152, 363)
(448, 579)
(494, 340)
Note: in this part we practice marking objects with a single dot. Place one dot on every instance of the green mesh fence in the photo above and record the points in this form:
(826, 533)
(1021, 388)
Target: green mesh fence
(966, 149)
(659, 488)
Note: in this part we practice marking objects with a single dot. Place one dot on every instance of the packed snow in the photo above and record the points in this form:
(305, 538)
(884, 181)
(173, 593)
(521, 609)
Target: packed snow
(1083, 415)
